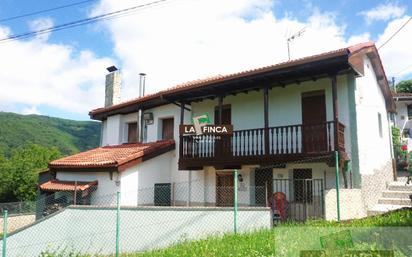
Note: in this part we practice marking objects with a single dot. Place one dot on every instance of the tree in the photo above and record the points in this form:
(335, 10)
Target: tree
(404, 86)
(19, 173)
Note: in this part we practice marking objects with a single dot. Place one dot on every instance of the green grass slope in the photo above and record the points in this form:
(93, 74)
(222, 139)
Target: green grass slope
(266, 242)
(68, 136)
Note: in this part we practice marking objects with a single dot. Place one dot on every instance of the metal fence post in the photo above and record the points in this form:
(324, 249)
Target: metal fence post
(4, 233)
(117, 224)
(235, 202)
(337, 184)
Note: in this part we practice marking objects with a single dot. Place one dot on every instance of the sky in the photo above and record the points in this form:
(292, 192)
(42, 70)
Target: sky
(62, 73)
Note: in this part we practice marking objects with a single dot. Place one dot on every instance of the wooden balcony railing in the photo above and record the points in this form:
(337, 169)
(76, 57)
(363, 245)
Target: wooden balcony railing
(282, 140)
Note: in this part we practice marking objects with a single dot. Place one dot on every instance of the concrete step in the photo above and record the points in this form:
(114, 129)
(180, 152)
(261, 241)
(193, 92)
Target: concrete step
(395, 201)
(383, 208)
(397, 194)
(399, 186)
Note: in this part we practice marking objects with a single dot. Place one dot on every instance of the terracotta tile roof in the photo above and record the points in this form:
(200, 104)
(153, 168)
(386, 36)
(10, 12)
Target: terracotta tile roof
(57, 185)
(112, 156)
(221, 78)
(401, 94)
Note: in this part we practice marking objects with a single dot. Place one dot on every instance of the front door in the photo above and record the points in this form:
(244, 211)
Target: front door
(314, 133)
(263, 185)
(224, 189)
(223, 146)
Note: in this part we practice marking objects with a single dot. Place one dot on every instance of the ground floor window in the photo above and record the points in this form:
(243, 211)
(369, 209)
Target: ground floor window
(302, 184)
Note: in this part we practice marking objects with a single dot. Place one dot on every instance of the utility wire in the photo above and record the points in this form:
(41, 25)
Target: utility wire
(402, 70)
(396, 32)
(44, 11)
(101, 17)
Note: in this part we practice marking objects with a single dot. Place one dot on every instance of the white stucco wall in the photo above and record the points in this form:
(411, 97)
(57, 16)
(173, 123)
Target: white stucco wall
(154, 133)
(374, 150)
(113, 132)
(129, 180)
(351, 204)
(150, 172)
(106, 188)
(104, 131)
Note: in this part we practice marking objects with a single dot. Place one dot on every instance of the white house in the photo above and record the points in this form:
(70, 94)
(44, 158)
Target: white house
(288, 121)
(403, 116)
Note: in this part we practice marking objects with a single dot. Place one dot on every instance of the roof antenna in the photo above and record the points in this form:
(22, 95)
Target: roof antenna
(293, 37)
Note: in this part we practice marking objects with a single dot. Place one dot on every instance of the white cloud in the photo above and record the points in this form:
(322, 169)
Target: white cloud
(40, 24)
(35, 72)
(396, 54)
(187, 40)
(30, 110)
(383, 12)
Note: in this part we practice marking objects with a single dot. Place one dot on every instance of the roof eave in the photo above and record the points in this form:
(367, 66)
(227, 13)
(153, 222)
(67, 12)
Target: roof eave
(159, 98)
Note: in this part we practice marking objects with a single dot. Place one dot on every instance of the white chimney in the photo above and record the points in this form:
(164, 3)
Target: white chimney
(113, 84)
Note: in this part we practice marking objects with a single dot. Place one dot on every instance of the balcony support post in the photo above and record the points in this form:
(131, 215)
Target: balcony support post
(335, 111)
(220, 109)
(219, 149)
(266, 118)
(182, 120)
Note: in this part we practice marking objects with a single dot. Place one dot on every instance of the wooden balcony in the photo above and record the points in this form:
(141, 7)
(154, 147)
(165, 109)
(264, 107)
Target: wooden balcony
(262, 146)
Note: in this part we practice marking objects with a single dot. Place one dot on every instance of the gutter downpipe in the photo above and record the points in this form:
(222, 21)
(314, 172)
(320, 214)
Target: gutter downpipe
(142, 82)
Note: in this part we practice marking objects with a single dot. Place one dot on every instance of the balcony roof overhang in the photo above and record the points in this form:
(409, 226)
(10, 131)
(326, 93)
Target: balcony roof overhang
(337, 62)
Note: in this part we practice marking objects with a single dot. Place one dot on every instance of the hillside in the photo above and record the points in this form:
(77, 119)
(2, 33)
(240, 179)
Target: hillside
(68, 136)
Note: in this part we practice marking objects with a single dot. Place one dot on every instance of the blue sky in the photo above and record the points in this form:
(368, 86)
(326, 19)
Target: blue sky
(62, 74)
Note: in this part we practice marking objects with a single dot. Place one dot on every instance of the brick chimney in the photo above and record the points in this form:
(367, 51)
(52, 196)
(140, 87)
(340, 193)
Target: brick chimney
(113, 84)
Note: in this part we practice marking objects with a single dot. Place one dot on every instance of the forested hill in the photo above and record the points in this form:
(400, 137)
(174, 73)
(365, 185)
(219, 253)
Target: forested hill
(68, 136)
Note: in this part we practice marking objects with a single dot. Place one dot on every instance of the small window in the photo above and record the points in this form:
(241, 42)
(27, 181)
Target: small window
(380, 124)
(132, 133)
(167, 128)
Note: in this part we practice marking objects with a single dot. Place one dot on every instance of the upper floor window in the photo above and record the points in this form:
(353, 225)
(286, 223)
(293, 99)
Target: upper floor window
(132, 132)
(380, 124)
(167, 128)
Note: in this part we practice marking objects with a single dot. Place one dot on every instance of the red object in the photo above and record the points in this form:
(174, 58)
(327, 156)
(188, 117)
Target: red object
(279, 204)
(404, 148)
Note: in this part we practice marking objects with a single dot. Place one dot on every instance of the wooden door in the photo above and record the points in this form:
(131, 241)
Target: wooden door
(223, 147)
(167, 128)
(314, 133)
(263, 185)
(224, 189)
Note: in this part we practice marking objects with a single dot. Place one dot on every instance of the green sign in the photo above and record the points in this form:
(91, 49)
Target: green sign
(337, 241)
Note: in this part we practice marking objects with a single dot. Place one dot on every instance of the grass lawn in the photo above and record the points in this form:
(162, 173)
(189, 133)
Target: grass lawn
(262, 243)
(389, 231)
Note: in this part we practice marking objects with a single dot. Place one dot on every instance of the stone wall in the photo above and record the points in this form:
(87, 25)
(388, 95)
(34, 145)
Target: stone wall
(15, 222)
(372, 185)
(351, 204)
